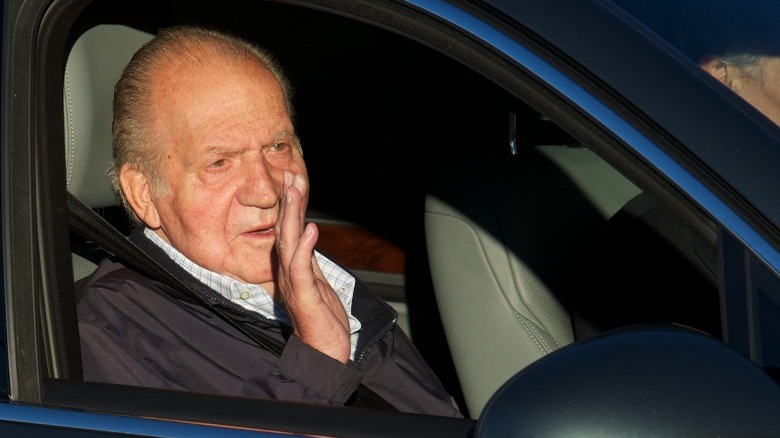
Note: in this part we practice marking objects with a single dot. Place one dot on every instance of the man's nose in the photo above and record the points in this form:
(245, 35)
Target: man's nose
(262, 184)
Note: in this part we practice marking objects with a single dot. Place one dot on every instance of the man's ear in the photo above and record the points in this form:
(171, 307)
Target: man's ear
(137, 189)
(716, 68)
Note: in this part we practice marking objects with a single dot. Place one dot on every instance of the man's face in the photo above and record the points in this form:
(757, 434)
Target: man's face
(227, 139)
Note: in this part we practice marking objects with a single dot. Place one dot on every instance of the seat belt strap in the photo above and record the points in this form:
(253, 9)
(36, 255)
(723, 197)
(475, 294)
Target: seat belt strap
(91, 225)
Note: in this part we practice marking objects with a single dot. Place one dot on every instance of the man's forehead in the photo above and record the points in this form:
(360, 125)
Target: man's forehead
(189, 57)
(184, 80)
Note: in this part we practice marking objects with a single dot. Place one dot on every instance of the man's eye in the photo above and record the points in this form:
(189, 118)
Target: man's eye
(279, 147)
(219, 163)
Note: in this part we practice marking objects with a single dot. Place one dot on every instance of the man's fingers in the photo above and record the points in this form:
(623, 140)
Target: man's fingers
(300, 184)
(288, 225)
(288, 178)
(295, 245)
(302, 264)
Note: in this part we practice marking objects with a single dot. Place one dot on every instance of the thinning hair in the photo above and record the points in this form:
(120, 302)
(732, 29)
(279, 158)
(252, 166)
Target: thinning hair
(133, 140)
(748, 63)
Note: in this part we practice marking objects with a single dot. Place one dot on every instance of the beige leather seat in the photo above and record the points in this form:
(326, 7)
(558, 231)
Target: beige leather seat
(94, 65)
(502, 235)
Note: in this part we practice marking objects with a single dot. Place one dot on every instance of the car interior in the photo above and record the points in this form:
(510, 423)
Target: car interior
(483, 237)
(484, 221)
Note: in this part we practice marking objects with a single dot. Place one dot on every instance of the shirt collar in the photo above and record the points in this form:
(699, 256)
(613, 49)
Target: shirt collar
(256, 298)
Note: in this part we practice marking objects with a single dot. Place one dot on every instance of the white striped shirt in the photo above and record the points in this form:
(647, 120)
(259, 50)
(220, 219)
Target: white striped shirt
(254, 297)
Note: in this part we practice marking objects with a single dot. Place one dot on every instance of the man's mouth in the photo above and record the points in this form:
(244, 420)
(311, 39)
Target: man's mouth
(265, 230)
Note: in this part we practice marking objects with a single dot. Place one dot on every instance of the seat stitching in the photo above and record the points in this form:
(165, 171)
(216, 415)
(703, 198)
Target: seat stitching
(71, 126)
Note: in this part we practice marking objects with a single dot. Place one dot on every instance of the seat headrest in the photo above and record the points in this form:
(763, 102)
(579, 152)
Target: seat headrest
(94, 65)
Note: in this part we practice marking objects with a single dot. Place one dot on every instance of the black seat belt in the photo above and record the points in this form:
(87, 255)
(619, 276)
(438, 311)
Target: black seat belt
(89, 224)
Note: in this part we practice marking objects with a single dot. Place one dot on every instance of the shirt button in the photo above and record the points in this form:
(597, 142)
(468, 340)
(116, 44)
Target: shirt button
(244, 295)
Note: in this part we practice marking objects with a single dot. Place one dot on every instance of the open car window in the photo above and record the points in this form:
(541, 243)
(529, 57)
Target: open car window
(423, 148)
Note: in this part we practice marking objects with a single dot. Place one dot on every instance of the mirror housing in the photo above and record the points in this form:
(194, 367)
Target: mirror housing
(640, 381)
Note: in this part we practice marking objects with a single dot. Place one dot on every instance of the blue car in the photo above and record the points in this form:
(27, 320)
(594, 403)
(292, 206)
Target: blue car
(574, 205)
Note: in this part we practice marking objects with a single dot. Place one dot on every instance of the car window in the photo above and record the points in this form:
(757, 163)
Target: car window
(381, 117)
(738, 45)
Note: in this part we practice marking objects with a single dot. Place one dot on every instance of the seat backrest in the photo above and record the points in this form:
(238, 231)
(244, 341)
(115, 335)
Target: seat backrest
(93, 67)
(501, 236)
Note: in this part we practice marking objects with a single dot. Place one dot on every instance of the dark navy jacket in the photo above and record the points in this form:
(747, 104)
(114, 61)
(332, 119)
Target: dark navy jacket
(138, 331)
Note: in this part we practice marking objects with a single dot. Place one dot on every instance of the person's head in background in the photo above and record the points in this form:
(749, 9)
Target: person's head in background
(737, 45)
(754, 77)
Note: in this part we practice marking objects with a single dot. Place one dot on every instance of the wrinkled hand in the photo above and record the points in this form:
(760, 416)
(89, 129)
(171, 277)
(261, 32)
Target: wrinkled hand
(318, 316)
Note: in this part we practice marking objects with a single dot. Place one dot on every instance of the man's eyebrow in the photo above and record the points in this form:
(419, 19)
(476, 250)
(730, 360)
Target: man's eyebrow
(288, 133)
(284, 133)
(227, 151)
(220, 150)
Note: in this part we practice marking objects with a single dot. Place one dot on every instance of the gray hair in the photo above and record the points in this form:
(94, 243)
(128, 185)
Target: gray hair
(133, 142)
(748, 63)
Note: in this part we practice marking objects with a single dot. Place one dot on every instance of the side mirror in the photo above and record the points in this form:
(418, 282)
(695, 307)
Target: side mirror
(648, 381)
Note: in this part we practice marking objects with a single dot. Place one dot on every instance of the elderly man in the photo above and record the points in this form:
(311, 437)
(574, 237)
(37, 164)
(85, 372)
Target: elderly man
(207, 163)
